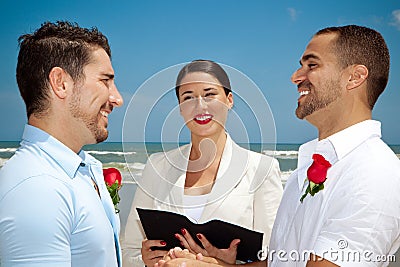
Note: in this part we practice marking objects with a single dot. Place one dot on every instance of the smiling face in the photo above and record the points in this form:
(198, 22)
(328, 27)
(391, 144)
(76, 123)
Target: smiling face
(319, 77)
(204, 104)
(95, 97)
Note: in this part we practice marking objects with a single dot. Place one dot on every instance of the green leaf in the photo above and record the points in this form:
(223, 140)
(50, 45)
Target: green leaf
(312, 189)
(113, 191)
(316, 189)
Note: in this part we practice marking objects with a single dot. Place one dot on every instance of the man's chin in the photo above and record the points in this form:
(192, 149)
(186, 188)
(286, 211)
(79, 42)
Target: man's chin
(100, 137)
(300, 115)
(304, 113)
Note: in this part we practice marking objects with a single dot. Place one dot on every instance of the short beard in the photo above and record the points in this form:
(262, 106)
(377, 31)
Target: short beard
(91, 122)
(317, 100)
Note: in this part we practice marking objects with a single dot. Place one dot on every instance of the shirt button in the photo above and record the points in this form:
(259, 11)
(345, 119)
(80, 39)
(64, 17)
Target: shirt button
(82, 164)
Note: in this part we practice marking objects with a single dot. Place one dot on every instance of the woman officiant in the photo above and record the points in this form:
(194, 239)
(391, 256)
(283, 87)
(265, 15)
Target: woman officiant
(210, 178)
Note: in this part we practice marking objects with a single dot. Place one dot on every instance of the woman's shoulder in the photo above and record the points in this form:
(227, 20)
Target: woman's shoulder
(173, 155)
(253, 155)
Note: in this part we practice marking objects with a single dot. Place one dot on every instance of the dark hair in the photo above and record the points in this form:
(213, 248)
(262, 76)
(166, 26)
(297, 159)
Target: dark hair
(61, 44)
(206, 66)
(361, 45)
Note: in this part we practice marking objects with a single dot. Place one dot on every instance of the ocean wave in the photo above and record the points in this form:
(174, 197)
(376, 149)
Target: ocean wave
(282, 154)
(118, 165)
(136, 166)
(8, 149)
(119, 153)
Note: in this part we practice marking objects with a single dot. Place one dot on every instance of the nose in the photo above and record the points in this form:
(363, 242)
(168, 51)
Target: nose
(201, 102)
(298, 76)
(115, 97)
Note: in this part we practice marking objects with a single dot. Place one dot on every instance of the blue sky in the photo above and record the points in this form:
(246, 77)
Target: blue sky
(262, 39)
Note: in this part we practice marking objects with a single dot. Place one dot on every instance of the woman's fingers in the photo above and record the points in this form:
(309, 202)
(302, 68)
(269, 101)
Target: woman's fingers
(227, 255)
(149, 256)
(188, 242)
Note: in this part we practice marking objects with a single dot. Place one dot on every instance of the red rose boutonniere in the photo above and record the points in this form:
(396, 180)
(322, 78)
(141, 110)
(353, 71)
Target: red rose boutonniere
(113, 180)
(316, 175)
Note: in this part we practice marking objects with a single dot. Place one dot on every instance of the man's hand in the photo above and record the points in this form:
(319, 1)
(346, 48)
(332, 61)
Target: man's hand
(177, 252)
(183, 258)
(227, 255)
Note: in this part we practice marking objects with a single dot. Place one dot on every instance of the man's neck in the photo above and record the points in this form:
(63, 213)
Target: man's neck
(329, 122)
(58, 130)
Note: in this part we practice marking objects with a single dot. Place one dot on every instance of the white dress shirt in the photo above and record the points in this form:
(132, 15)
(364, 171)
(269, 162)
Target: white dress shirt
(355, 219)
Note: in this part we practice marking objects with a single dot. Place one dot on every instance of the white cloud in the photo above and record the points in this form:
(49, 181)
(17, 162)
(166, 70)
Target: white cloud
(292, 13)
(396, 18)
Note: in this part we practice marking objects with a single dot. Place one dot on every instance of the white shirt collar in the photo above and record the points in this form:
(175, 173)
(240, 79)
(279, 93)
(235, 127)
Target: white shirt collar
(336, 146)
(348, 139)
(61, 154)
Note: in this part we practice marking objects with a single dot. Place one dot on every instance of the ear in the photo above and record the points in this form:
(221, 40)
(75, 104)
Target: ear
(58, 79)
(230, 100)
(358, 75)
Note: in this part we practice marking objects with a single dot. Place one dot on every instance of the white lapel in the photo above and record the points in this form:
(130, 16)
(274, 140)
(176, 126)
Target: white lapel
(171, 188)
(233, 166)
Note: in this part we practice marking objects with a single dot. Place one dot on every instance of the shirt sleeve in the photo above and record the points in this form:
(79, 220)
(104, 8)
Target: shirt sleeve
(36, 225)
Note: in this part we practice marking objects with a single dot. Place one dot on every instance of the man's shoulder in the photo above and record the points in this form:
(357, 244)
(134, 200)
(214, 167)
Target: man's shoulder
(370, 170)
(24, 165)
(376, 154)
(25, 161)
(382, 149)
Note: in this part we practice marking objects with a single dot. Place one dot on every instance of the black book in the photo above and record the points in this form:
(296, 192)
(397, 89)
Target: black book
(163, 225)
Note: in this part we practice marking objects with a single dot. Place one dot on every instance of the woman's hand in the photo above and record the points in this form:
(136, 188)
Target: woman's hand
(227, 255)
(149, 256)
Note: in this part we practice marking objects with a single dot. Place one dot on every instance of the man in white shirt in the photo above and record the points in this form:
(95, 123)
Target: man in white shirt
(353, 217)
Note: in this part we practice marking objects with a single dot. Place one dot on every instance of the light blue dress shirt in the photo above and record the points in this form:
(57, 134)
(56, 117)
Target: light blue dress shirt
(50, 213)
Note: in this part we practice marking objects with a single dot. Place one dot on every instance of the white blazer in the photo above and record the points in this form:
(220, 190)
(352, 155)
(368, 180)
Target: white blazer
(247, 192)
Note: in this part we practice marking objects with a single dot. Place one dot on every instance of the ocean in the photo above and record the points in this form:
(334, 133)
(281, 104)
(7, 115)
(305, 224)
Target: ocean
(113, 154)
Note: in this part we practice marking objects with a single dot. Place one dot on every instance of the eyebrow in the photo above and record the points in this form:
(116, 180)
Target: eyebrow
(186, 92)
(109, 76)
(307, 57)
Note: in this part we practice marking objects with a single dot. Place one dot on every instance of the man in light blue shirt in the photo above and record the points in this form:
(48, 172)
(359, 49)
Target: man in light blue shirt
(55, 209)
